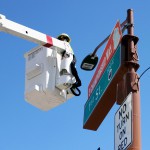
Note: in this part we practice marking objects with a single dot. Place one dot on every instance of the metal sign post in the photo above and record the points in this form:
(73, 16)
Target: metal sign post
(132, 83)
(118, 79)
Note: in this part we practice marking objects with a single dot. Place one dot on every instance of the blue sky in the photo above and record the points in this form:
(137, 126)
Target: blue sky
(24, 127)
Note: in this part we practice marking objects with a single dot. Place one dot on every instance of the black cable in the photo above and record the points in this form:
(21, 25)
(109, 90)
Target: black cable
(78, 81)
(143, 73)
(73, 89)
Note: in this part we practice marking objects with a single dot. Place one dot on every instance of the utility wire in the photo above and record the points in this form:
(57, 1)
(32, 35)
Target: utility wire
(143, 73)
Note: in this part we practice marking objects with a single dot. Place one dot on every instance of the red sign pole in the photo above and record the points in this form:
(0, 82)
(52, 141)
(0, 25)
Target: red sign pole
(136, 145)
(131, 81)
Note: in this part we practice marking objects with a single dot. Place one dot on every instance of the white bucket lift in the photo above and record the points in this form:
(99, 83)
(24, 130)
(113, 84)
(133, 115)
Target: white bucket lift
(46, 86)
(48, 76)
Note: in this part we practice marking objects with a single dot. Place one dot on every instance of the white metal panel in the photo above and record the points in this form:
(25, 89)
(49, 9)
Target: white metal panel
(24, 32)
(44, 87)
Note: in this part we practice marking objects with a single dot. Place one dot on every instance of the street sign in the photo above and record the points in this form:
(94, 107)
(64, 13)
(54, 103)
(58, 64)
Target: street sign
(123, 125)
(109, 51)
(103, 84)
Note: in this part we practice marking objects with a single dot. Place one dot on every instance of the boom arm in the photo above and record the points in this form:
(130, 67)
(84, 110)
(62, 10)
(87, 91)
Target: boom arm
(24, 32)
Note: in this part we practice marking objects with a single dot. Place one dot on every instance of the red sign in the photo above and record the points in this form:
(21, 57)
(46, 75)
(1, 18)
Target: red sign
(113, 42)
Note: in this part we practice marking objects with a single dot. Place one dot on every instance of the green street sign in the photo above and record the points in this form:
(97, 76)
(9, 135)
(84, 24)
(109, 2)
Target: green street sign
(102, 84)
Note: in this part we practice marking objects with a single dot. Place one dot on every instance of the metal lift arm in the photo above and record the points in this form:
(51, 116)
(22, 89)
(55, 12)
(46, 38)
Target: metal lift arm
(32, 35)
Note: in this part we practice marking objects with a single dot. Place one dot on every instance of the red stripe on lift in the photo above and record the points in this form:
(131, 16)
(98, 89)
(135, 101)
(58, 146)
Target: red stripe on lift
(49, 41)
